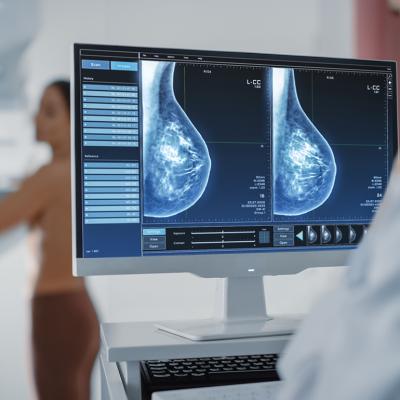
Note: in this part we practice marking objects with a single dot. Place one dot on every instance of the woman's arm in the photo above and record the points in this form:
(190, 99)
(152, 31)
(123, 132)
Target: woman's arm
(27, 202)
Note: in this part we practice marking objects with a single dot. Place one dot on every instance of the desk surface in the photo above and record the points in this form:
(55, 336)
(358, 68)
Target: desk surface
(134, 341)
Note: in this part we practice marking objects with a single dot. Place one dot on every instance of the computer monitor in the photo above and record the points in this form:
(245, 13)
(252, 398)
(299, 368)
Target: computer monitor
(224, 164)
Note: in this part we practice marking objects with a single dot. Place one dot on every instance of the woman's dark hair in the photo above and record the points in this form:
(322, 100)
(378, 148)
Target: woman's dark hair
(64, 87)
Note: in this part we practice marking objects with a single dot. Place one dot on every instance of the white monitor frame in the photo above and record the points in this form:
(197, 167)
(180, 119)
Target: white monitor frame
(276, 262)
(214, 265)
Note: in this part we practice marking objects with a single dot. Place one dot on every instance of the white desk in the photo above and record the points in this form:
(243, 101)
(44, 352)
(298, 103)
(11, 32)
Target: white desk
(124, 345)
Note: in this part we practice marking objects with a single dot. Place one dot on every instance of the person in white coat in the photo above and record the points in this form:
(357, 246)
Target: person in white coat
(348, 348)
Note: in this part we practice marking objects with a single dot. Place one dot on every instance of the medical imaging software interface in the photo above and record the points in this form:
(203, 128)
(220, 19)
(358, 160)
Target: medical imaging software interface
(185, 152)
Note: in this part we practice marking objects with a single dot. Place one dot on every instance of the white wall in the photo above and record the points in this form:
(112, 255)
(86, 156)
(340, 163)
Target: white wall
(312, 27)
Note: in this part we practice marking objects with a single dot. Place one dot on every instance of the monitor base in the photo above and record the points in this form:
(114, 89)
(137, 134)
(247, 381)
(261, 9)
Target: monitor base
(213, 329)
(240, 313)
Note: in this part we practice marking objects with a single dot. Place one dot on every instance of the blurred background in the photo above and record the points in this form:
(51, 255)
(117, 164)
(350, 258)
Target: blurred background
(35, 46)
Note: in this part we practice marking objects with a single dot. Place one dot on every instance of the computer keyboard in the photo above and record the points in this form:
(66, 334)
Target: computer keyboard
(252, 391)
(160, 375)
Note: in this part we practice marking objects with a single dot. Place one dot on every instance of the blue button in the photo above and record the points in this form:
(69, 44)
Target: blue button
(154, 232)
(95, 64)
(124, 66)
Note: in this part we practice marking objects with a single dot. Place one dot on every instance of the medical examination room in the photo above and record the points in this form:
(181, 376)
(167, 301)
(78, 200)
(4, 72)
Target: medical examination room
(199, 200)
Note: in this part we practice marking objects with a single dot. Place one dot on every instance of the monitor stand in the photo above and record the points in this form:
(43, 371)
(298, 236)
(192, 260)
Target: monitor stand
(241, 313)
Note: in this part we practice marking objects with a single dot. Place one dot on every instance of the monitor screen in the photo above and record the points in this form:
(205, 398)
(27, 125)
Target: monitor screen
(199, 152)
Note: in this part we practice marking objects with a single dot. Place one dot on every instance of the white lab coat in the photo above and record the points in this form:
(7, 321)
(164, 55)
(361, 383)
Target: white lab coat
(348, 348)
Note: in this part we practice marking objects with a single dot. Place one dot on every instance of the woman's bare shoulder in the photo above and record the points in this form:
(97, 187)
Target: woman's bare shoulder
(46, 177)
(53, 170)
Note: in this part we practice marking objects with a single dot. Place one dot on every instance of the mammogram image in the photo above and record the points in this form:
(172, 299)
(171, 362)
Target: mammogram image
(304, 168)
(176, 160)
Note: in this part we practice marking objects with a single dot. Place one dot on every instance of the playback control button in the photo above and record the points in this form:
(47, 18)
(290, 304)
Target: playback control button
(328, 235)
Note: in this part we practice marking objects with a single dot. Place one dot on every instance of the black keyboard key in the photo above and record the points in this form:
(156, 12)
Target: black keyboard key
(198, 377)
(187, 371)
(161, 378)
(181, 377)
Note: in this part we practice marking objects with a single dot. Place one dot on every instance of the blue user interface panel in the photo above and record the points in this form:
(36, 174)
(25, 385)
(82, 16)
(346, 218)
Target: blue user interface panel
(182, 151)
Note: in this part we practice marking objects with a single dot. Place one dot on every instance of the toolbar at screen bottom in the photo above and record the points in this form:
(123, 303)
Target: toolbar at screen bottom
(175, 239)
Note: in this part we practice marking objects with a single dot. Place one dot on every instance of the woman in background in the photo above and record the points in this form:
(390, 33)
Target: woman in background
(65, 336)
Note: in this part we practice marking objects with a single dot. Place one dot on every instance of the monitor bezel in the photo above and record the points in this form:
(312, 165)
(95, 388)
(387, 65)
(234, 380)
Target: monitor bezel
(206, 265)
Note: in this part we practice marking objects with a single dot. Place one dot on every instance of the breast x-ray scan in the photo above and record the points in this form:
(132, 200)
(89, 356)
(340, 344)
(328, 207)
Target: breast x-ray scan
(176, 159)
(304, 164)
